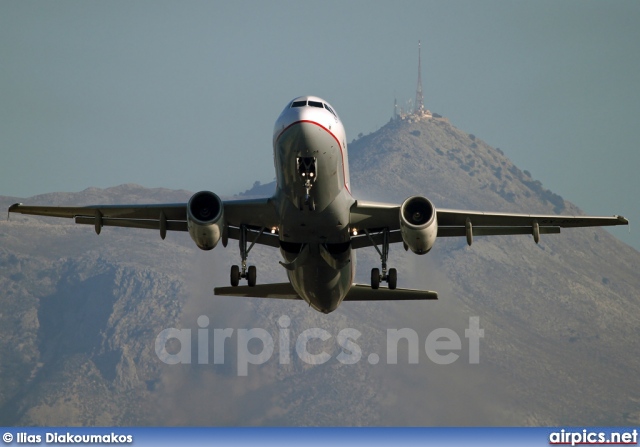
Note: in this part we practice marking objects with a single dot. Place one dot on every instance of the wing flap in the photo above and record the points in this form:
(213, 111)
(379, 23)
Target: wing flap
(493, 231)
(134, 223)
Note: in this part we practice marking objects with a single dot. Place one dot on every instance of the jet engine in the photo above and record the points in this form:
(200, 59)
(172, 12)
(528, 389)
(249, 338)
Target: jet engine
(418, 224)
(205, 219)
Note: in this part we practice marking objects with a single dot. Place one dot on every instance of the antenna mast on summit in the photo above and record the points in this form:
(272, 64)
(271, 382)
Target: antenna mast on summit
(419, 104)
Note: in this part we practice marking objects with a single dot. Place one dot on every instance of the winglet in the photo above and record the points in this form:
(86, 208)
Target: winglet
(626, 222)
(622, 220)
(12, 209)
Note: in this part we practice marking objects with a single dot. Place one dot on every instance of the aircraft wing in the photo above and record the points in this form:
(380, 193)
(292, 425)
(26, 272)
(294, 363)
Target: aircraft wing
(258, 215)
(132, 216)
(458, 218)
(373, 218)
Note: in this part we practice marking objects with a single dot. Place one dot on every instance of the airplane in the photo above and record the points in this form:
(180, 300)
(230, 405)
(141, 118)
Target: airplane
(314, 219)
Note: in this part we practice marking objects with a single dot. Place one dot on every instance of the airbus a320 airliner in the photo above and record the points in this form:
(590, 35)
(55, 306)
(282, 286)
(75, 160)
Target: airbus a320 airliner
(314, 220)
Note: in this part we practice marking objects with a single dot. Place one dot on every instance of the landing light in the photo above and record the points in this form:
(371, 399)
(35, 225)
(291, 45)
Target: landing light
(354, 232)
(273, 230)
(311, 174)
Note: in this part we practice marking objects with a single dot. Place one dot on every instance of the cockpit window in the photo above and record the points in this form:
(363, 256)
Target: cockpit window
(318, 104)
(330, 110)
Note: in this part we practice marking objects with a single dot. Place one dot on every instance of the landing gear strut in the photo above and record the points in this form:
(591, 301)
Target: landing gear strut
(250, 273)
(391, 276)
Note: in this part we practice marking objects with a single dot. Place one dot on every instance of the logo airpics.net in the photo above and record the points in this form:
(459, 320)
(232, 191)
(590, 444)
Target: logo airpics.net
(440, 346)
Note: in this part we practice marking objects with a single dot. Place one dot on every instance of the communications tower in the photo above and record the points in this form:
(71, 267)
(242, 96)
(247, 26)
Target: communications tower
(419, 104)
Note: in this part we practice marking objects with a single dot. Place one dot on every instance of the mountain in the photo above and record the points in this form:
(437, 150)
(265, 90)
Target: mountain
(81, 313)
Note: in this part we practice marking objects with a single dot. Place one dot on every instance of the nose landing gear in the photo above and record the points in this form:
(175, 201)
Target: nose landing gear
(307, 170)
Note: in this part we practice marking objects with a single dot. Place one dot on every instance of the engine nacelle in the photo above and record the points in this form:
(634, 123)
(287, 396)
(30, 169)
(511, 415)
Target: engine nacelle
(205, 219)
(418, 224)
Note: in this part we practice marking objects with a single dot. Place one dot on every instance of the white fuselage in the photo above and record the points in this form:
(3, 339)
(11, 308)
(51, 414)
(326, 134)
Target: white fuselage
(313, 200)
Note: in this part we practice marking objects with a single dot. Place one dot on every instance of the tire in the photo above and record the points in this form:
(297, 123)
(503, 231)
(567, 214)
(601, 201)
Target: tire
(252, 274)
(375, 278)
(235, 276)
(392, 279)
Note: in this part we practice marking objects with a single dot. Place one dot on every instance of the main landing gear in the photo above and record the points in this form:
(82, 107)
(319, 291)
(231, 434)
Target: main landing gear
(391, 276)
(250, 274)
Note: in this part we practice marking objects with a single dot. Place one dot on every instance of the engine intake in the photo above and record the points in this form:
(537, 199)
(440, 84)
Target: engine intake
(418, 224)
(205, 219)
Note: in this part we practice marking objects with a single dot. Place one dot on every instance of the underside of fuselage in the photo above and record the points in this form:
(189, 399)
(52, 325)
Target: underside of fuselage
(313, 203)
(321, 285)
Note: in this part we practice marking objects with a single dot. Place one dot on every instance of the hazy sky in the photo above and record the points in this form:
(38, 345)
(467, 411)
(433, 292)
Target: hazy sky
(185, 94)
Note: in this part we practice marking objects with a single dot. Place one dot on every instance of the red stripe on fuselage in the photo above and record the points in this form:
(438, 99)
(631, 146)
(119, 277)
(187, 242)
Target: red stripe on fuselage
(344, 173)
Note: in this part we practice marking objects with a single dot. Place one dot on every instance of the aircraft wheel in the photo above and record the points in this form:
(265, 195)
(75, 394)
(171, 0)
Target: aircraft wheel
(375, 278)
(235, 275)
(252, 275)
(392, 279)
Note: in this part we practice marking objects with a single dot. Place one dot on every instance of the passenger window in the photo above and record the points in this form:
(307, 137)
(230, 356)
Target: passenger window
(298, 103)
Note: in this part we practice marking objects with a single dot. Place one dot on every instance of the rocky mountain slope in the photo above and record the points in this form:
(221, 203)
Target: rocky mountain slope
(80, 313)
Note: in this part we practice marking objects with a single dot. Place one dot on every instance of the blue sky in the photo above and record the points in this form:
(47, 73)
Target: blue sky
(185, 94)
